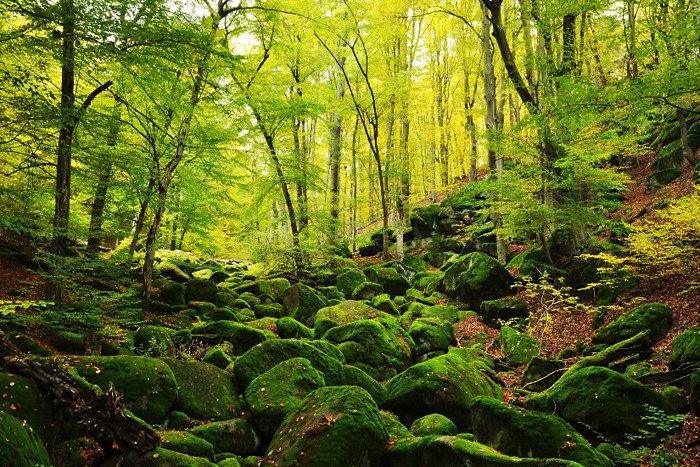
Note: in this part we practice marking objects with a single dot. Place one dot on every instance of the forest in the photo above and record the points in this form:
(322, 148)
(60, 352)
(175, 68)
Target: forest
(350, 232)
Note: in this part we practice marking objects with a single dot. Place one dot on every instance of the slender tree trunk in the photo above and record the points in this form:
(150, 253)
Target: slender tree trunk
(335, 147)
(687, 150)
(489, 88)
(632, 66)
(568, 58)
(141, 216)
(353, 227)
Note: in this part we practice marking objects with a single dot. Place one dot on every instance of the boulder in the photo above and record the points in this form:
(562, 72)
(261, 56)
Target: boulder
(686, 348)
(302, 302)
(161, 457)
(384, 303)
(344, 313)
(367, 291)
(476, 277)
(235, 436)
(23, 398)
(496, 312)
(540, 374)
(433, 424)
(186, 443)
(154, 341)
(205, 392)
(518, 348)
(241, 336)
(173, 293)
(655, 317)
(20, 446)
(219, 355)
(394, 426)
(197, 290)
(445, 384)
(449, 313)
(289, 328)
(334, 426)
(275, 288)
(517, 432)
(349, 280)
(430, 334)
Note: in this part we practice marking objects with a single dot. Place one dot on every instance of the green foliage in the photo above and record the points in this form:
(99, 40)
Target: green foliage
(661, 425)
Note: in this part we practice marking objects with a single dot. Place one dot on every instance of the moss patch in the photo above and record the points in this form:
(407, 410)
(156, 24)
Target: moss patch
(186, 443)
(344, 313)
(241, 336)
(655, 317)
(234, 436)
(433, 424)
(19, 445)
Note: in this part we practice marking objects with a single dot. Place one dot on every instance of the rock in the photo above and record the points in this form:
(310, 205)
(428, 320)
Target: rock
(517, 432)
(146, 384)
(173, 272)
(219, 355)
(302, 302)
(433, 424)
(289, 328)
(275, 288)
(281, 390)
(694, 392)
(22, 398)
(186, 443)
(449, 313)
(430, 334)
(161, 457)
(445, 384)
(332, 292)
(250, 299)
(378, 346)
(476, 277)
(617, 455)
(518, 348)
(349, 280)
(686, 348)
(197, 290)
(391, 281)
(415, 263)
(344, 313)
(202, 274)
(241, 336)
(495, 312)
(154, 341)
(655, 317)
(394, 426)
(177, 420)
(453, 451)
(353, 376)
(540, 374)
(384, 303)
(334, 426)
(235, 436)
(20, 446)
(172, 293)
(606, 401)
(218, 277)
(423, 220)
(274, 310)
(661, 178)
(205, 392)
(367, 291)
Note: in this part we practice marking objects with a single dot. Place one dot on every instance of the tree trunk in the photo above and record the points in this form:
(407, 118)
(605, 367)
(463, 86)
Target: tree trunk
(632, 66)
(335, 143)
(489, 88)
(568, 56)
(687, 150)
(141, 216)
(353, 222)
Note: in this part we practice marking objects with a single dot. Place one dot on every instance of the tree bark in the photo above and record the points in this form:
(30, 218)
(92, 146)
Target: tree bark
(568, 56)
(687, 150)
(489, 88)
(335, 147)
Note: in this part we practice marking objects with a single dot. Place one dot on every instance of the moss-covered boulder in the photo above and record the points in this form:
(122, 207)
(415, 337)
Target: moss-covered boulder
(694, 392)
(604, 401)
(334, 426)
(289, 328)
(154, 341)
(495, 312)
(302, 302)
(655, 317)
(162, 457)
(391, 280)
(266, 355)
(275, 288)
(541, 373)
(367, 291)
(449, 313)
(686, 347)
(476, 277)
(241, 336)
(517, 432)
(518, 348)
(433, 424)
(236, 436)
(378, 346)
(205, 392)
(19, 445)
(187, 443)
(172, 293)
(281, 390)
(353, 376)
(445, 385)
(454, 451)
(384, 303)
(198, 290)
(147, 384)
(349, 280)
(274, 310)
(219, 355)
(23, 398)
(430, 334)
(394, 426)
(344, 313)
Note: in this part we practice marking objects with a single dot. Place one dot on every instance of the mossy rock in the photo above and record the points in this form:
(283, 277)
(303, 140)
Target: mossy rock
(378, 346)
(332, 292)
(289, 328)
(173, 272)
(154, 341)
(334, 426)
(328, 348)
(187, 443)
(415, 263)
(161, 457)
(423, 220)
(302, 302)
(661, 178)
(604, 401)
(177, 420)
(430, 334)
(449, 313)
(344, 313)
(655, 317)
(205, 392)
(274, 310)
(495, 312)
(433, 424)
(424, 280)
(445, 385)
(241, 336)
(266, 355)
(670, 156)
(218, 355)
(22, 398)
(517, 432)
(234, 462)
(173, 293)
(202, 274)
(390, 279)
(686, 347)
(384, 303)
(197, 290)
(20, 446)
(275, 288)
(476, 277)
(279, 391)
(147, 385)
(353, 376)
(367, 291)
(518, 348)
(618, 455)
(455, 451)
(236, 436)
(226, 298)
(531, 263)
(694, 392)
(540, 374)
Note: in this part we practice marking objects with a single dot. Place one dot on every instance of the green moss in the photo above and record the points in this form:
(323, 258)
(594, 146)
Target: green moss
(154, 341)
(449, 313)
(670, 156)
(232, 462)
(367, 291)
(20, 446)
(694, 392)
(234, 436)
(22, 398)
(430, 334)
(445, 384)
(289, 328)
(415, 263)
(496, 311)
(476, 277)
(541, 374)
(518, 348)
(302, 302)
(177, 420)
(147, 384)
(275, 288)
(617, 455)
(655, 317)
(424, 280)
(353, 376)
(241, 336)
(218, 356)
(197, 290)
(332, 292)
(251, 299)
(384, 303)
(172, 293)
(433, 424)
(161, 457)
(517, 432)
(686, 347)
(334, 426)
(344, 313)
(274, 310)
(281, 390)
(205, 392)
(602, 400)
(394, 426)
(391, 280)
(186, 443)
